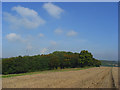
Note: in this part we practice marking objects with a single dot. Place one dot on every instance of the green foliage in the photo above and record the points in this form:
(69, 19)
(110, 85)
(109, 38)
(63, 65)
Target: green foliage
(61, 59)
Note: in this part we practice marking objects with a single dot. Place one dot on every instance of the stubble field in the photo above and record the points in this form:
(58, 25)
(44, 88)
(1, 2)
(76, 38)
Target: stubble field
(98, 77)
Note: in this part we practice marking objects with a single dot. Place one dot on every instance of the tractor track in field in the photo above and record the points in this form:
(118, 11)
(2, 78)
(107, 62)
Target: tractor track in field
(113, 82)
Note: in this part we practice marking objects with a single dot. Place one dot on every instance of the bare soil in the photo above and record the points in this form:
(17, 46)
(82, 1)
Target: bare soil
(98, 77)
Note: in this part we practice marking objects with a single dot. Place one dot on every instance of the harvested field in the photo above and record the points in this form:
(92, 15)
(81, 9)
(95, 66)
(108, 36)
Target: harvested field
(98, 77)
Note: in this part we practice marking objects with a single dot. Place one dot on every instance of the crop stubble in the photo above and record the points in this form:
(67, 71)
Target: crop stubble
(99, 77)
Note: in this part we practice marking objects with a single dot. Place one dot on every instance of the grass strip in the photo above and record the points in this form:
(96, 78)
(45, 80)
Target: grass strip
(47, 71)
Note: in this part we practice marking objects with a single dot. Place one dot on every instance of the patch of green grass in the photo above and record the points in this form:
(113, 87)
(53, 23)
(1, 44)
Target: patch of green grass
(56, 70)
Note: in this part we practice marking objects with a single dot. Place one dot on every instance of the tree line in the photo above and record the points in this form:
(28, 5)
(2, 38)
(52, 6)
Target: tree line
(55, 60)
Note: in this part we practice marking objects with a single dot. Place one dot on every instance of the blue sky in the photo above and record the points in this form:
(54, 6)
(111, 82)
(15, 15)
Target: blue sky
(41, 28)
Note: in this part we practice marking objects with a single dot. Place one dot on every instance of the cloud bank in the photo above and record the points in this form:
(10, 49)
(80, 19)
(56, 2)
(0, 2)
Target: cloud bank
(24, 17)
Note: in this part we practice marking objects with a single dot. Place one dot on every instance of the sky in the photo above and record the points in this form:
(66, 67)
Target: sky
(40, 28)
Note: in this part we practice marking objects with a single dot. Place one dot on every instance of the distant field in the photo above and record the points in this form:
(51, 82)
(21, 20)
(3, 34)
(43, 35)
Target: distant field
(97, 77)
(109, 63)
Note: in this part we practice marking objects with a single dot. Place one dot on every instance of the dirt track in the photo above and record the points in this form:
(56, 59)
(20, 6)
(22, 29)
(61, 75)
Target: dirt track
(103, 77)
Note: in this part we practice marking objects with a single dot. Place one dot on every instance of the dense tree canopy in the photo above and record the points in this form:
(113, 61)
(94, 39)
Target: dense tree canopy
(50, 61)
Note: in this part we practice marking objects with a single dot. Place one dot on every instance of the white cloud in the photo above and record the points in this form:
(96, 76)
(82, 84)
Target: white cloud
(25, 12)
(58, 31)
(41, 35)
(53, 10)
(24, 17)
(71, 33)
(14, 37)
(29, 47)
(53, 43)
(44, 50)
(50, 48)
